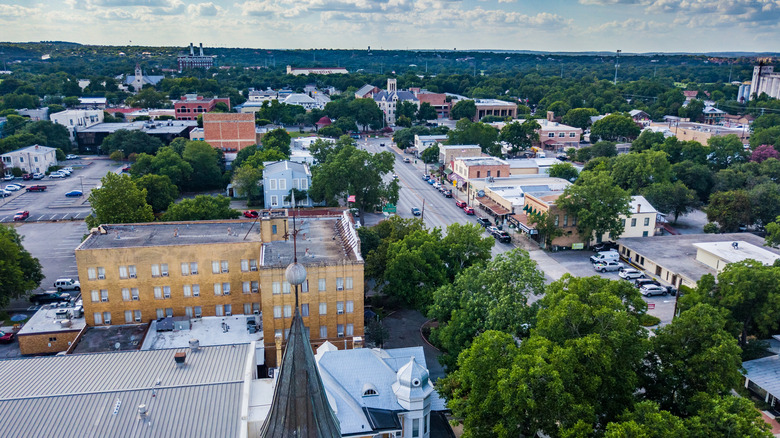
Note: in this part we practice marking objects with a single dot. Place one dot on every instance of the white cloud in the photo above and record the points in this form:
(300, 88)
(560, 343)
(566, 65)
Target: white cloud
(17, 11)
(204, 9)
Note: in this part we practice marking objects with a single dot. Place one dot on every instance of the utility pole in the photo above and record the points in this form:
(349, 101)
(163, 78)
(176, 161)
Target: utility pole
(617, 64)
(422, 215)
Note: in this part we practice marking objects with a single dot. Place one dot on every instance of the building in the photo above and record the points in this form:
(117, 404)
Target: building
(641, 118)
(139, 79)
(743, 94)
(553, 136)
(470, 168)
(691, 131)
(280, 177)
(75, 119)
(195, 61)
(197, 134)
(229, 132)
(34, 114)
(304, 100)
(423, 142)
(438, 101)
(761, 378)
(494, 107)
(152, 114)
(51, 329)
(92, 103)
(366, 91)
(32, 159)
(713, 116)
(190, 106)
(640, 223)
(448, 153)
(765, 80)
(89, 139)
(379, 393)
(534, 166)
(225, 268)
(389, 100)
(316, 71)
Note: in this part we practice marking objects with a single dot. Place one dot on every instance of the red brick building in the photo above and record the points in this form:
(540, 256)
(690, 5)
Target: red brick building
(191, 106)
(230, 132)
(438, 101)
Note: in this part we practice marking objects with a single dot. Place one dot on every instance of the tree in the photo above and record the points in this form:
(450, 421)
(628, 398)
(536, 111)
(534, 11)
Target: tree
(463, 109)
(468, 132)
(169, 163)
(765, 202)
(385, 232)
(201, 208)
(431, 154)
(465, 247)
(691, 111)
(647, 421)
(377, 333)
(404, 138)
(764, 152)
(330, 131)
(204, 160)
(403, 121)
(366, 113)
(520, 136)
(118, 201)
(597, 203)
(728, 416)
(56, 135)
(242, 155)
(672, 198)
(20, 271)
(351, 171)
(130, 142)
(730, 210)
(426, 112)
(406, 109)
(545, 226)
(635, 171)
(415, 268)
(565, 171)
(160, 191)
(773, 233)
(579, 117)
(246, 180)
(726, 151)
(693, 355)
(647, 140)
(697, 177)
(117, 156)
(148, 98)
(614, 127)
(278, 138)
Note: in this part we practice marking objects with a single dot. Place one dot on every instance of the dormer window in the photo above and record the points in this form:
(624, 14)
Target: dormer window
(369, 392)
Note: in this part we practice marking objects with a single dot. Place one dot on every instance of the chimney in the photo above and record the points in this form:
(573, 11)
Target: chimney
(180, 357)
(550, 116)
(201, 49)
(639, 208)
(194, 344)
(142, 410)
(278, 342)
(192, 51)
(357, 342)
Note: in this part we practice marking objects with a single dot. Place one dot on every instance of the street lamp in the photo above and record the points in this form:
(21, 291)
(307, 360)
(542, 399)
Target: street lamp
(82, 184)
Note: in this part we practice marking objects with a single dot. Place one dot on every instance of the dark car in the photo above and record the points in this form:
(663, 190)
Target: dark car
(426, 177)
(74, 194)
(36, 188)
(49, 297)
(27, 176)
(447, 193)
(639, 282)
(416, 211)
(251, 214)
(604, 246)
(502, 236)
(485, 222)
(6, 338)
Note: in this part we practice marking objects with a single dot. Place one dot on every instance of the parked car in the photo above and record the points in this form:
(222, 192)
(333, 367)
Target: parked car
(67, 284)
(27, 176)
(431, 181)
(74, 194)
(491, 229)
(604, 256)
(56, 175)
(65, 172)
(611, 265)
(639, 282)
(395, 177)
(126, 169)
(251, 214)
(485, 222)
(447, 193)
(436, 185)
(5, 193)
(39, 175)
(426, 177)
(502, 236)
(49, 297)
(416, 211)
(7, 337)
(8, 178)
(71, 157)
(407, 160)
(36, 188)
(460, 203)
(67, 169)
(604, 246)
(13, 187)
(649, 290)
(631, 274)
(469, 211)
(21, 215)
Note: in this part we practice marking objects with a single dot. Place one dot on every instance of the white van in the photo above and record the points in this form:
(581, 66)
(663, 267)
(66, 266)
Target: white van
(605, 256)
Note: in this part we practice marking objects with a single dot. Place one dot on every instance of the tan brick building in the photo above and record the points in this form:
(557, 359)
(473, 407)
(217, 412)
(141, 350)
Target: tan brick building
(135, 273)
(50, 330)
(480, 167)
(230, 132)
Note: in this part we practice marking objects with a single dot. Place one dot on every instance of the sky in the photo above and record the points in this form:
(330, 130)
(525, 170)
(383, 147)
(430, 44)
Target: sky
(545, 25)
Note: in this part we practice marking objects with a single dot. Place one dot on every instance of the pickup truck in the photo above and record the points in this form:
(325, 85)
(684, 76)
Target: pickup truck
(36, 188)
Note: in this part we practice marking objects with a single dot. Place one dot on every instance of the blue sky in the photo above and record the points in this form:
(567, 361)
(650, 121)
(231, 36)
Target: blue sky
(548, 25)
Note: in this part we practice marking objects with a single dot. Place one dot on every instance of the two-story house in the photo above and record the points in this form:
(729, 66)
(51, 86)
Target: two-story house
(280, 177)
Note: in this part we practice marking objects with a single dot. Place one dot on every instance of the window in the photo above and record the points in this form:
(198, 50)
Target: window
(215, 267)
(217, 288)
(340, 330)
(285, 288)
(276, 288)
(101, 273)
(647, 221)
(339, 283)
(416, 428)
(561, 134)
(323, 331)
(169, 312)
(98, 318)
(572, 134)
(305, 286)
(274, 201)
(287, 311)
(134, 293)
(323, 308)
(194, 268)
(644, 233)
(282, 184)
(277, 311)
(164, 269)
(350, 329)
(339, 307)
(551, 135)
(187, 290)
(155, 270)
(123, 272)
(633, 221)
(92, 273)
(157, 293)
(137, 315)
(185, 269)
(370, 391)
(256, 308)
(125, 294)
(220, 310)
(623, 222)
(304, 184)
(305, 309)
(246, 287)
(247, 308)
(188, 311)
(107, 317)
(224, 266)
(195, 290)
(565, 220)
(350, 306)
(253, 265)
(244, 265)
(273, 229)
(104, 295)
(131, 271)
(166, 292)
(478, 172)
(198, 312)
(272, 184)
(226, 288)
(255, 287)
(321, 285)
(425, 424)
(349, 283)
(128, 316)
(557, 219)
(228, 310)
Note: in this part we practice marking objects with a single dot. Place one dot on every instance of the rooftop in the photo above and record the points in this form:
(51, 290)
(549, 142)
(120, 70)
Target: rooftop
(742, 251)
(527, 183)
(459, 146)
(320, 240)
(161, 127)
(49, 319)
(272, 167)
(493, 102)
(34, 149)
(639, 204)
(481, 161)
(172, 233)
(764, 372)
(111, 338)
(209, 331)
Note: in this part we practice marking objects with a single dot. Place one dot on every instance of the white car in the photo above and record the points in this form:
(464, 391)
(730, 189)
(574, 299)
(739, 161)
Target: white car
(631, 274)
(56, 175)
(67, 169)
(38, 175)
(12, 187)
(610, 265)
(8, 177)
(71, 157)
(5, 193)
(649, 290)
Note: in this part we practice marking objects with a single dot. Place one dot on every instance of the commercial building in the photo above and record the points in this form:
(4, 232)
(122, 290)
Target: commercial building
(92, 103)
(687, 131)
(32, 159)
(470, 168)
(76, 119)
(295, 71)
(438, 101)
(448, 153)
(190, 106)
(51, 329)
(423, 142)
(765, 80)
(494, 107)
(195, 61)
(280, 178)
(89, 139)
(229, 132)
(366, 91)
(136, 273)
(553, 136)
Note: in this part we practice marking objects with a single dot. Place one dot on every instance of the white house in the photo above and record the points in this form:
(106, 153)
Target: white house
(389, 100)
(301, 99)
(280, 177)
(32, 159)
(423, 142)
(75, 119)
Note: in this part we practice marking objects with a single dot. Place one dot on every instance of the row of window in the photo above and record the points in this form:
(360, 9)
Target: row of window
(562, 134)
(164, 292)
(284, 287)
(565, 220)
(161, 269)
(341, 307)
(287, 203)
(184, 109)
(132, 316)
(341, 331)
(633, 222)
(281, 184)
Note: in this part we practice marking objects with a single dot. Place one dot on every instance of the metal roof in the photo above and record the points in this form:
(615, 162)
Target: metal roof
(99, 394)
(765, 372)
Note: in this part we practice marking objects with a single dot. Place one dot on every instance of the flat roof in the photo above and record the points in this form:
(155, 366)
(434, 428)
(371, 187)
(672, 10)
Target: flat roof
(726, 251)
(209, 331)
(48, 319)
(460, 146)
(159, 127)
(173, 233)
(481, 161)
(526, 182)
(318, 242)
(678, 253)
(106, 338)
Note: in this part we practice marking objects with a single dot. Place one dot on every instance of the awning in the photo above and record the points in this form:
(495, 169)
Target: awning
(455, 177)
(521, 222)
(493, 206)
(447, 171)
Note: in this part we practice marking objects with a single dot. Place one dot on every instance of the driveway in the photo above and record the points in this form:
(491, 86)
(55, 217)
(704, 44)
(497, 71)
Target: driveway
(404, 327)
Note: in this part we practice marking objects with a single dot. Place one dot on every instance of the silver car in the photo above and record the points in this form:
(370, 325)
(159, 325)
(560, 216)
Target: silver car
(631, 274)
(608, 266)
(649, 290)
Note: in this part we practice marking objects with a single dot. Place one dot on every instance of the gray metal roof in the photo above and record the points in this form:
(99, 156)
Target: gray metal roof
(99, 394)
(765, 372)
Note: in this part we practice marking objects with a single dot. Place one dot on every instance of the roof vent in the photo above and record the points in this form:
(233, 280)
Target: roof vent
(180, 357)
(194, 344)
(735, 245)
(142, 410)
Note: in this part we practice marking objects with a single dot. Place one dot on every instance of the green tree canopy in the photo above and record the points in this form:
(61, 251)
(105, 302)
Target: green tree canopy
(278, 138)
(726, 151)
(426, 112)
(431, 154)
(730, 210)
(204, 160)
(118, 201)
(246, 180)
(468, 132)
(160, 191)
(597, 203)
(635, 171)
(130, 142)
(201, 208)
(671, 198)
(579, 117)
(463, 109)
(20, 271)
(564, 170)
(614, 127)
(520, 136)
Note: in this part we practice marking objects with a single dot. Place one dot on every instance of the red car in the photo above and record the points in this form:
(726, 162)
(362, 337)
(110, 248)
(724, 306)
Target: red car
(251, 214)
(21, 215)
(36, 188)
(469, 211)
(460, 204)
(6, 338)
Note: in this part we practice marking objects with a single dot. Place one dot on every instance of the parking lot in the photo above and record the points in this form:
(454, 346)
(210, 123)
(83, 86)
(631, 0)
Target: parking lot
(578, 263)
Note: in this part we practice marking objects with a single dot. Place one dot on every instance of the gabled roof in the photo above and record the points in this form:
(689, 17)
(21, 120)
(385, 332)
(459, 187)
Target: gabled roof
(365, 89)
(280, 166)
